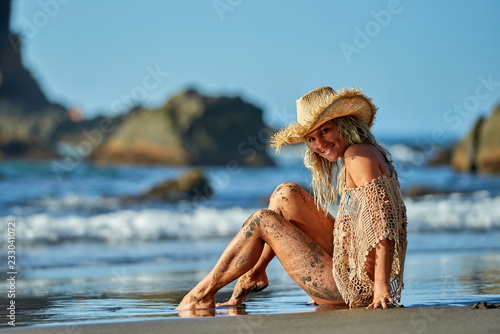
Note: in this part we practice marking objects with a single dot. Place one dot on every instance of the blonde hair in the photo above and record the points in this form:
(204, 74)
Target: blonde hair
(324, 185)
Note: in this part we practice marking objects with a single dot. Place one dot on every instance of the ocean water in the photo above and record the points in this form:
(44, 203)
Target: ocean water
(84, 255)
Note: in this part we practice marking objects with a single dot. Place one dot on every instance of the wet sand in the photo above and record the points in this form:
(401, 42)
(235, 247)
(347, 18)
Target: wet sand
(429, 319)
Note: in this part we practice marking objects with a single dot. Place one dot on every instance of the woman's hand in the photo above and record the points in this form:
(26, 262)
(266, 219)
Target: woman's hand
(381, 296)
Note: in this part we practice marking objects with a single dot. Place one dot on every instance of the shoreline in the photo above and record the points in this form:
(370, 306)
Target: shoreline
(422, 319)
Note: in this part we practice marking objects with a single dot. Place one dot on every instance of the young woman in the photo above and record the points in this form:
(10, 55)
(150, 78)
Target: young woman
(354, 260)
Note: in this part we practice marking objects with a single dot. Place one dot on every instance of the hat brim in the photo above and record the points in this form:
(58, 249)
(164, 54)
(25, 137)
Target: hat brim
(349, 102)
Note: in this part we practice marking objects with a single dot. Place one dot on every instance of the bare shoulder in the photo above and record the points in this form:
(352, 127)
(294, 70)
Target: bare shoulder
(364, 163)
(361, 150)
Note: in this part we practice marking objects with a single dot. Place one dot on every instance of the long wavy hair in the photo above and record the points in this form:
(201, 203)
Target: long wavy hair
(328, 177)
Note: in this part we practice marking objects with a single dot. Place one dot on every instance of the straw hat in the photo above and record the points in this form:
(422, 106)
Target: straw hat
(321, 105)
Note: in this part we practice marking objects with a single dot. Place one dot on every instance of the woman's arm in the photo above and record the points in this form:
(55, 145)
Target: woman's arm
(384, 253)
(364, 163)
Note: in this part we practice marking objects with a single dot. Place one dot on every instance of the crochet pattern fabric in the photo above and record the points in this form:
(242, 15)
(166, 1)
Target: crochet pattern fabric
(366, 215)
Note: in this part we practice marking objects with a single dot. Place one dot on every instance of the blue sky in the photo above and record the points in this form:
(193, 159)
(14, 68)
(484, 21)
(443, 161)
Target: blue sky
(432, 67)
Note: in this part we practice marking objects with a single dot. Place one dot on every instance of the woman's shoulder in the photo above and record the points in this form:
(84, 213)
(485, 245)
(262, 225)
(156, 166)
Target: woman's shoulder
(364, 163)
(361, 151)
(361, 156)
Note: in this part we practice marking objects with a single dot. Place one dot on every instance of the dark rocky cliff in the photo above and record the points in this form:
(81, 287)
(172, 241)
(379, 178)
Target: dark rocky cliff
(27, 118)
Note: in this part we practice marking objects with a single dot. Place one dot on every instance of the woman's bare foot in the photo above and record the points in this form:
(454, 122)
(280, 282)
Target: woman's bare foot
(246, 284)
(191, 302)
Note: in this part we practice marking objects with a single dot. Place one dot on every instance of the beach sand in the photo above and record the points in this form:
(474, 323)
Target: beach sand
(428, 319)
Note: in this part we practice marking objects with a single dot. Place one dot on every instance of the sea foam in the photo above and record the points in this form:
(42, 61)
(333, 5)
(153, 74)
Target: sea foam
(456, 212)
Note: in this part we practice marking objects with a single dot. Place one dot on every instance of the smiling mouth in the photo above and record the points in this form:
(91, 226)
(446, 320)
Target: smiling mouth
(328, 150)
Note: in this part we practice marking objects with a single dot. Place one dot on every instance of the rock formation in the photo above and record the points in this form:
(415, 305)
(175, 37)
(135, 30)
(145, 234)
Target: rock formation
(191, 129)
(479, 151)
(16, 83)
(27, 118)
(192, 184)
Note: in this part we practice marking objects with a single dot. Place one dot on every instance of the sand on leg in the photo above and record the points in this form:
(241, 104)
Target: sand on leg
(298, 207)
(307, 263)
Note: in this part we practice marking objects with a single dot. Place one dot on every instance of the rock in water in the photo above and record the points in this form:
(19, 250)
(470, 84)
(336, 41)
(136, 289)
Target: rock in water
(189, 186)
(191, 129)
(479, 151)
(488, 154)
(464, 155)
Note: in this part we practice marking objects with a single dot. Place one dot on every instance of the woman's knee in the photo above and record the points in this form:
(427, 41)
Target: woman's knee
(287, 191)
(260, 219)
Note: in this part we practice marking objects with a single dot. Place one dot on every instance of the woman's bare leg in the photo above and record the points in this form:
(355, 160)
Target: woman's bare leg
(254, 280)
(308, 264)
(298, 207)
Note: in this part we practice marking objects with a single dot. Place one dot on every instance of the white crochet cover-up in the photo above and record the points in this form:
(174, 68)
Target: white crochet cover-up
(366, 215)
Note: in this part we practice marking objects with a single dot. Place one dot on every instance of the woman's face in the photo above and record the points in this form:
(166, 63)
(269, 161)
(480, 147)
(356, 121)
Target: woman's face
(327, 141)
